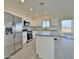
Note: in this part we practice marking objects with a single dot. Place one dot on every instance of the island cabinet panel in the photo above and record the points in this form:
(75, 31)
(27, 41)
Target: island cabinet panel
(45, 47)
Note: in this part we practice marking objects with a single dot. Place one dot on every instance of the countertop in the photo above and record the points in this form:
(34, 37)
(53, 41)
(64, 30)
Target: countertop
(49, 35)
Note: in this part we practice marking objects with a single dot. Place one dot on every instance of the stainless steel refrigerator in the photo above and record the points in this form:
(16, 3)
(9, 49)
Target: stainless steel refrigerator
(18, 32)
(12, 34)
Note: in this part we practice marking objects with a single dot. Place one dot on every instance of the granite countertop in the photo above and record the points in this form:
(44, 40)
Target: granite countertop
(49, 35)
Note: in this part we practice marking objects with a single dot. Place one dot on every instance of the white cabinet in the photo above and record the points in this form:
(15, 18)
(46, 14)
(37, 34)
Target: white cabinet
(45, 47)
(24, 37)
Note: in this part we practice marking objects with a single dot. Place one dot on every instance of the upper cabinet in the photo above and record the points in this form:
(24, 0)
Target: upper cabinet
(18, 23)
(8, 19)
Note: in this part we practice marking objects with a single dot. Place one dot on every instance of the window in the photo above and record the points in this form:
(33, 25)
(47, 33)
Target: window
(66, 25)
(46, 23)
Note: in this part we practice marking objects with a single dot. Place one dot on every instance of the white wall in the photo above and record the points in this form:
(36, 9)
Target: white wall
(35, 22)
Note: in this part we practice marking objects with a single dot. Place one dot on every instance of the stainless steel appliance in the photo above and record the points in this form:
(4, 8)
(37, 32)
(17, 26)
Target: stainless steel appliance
(12, 34)
(18, 32)
(25, 25)
(28, 29)
(8, 35)
(29, 35)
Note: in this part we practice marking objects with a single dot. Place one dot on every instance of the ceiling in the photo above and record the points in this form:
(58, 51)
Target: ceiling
(54, 8)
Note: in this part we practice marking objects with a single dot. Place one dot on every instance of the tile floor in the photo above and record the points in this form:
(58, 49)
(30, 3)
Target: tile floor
(28, 52)
(64, 49)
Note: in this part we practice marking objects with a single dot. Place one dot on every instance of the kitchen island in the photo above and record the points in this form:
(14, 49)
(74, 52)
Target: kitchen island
(45, 44)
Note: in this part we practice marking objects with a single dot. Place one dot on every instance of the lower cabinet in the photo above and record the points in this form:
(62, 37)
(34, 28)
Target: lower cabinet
(24, 37)
(45, 47)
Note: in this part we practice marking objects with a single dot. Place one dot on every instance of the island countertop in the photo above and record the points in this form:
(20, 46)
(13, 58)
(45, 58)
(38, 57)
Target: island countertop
(49, 35)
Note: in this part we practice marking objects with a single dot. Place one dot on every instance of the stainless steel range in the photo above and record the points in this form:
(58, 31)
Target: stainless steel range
(27, 28)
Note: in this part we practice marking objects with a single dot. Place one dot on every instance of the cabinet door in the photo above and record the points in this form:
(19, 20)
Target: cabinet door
(8, 19)
(18, 23)
(45, 47)
(24, 37)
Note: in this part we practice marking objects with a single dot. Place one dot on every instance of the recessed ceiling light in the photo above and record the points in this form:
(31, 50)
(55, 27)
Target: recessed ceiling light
(22, 1)
(31, 9)
(36, 14)
(45, 12)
